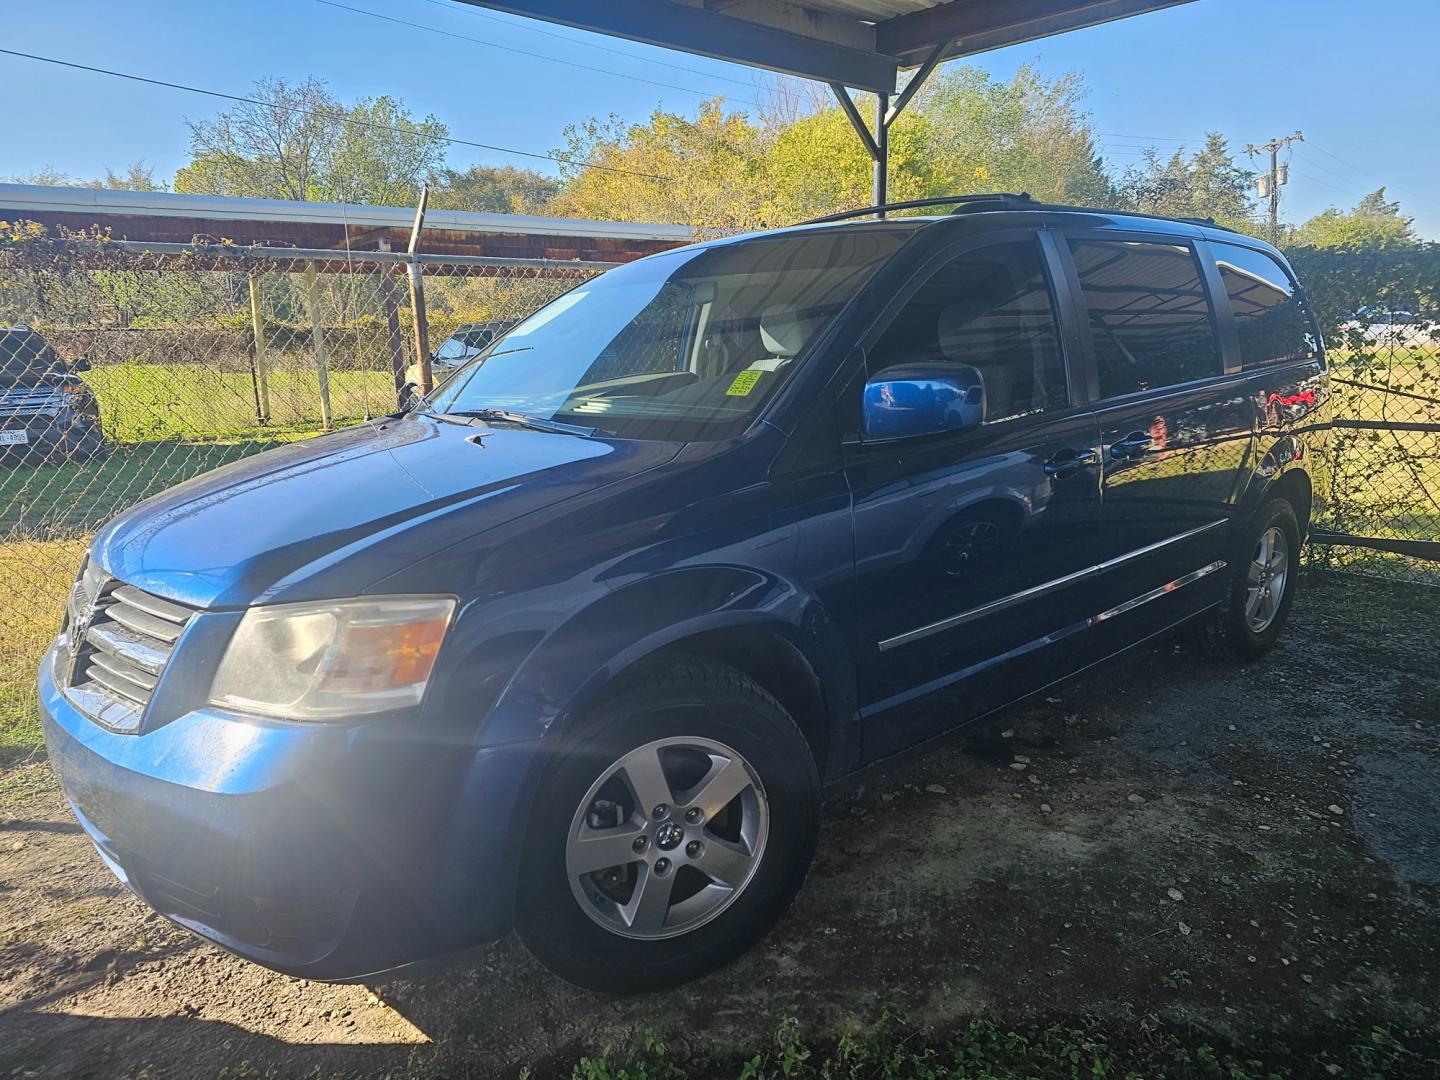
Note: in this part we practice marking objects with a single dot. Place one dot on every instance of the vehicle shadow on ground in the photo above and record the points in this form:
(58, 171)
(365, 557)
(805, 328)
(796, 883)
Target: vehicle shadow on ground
(186, 1046)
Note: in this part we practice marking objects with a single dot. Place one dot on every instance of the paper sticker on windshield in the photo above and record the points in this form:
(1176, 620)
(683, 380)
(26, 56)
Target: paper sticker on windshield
(743, 384)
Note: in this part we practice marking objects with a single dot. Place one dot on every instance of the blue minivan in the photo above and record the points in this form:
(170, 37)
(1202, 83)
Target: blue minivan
(575, 645)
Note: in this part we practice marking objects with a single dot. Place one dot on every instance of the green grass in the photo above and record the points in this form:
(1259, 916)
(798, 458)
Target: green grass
(68, 499)
(150, 402)
(35, 577)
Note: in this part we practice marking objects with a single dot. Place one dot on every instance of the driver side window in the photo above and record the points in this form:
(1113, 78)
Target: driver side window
(988, 313)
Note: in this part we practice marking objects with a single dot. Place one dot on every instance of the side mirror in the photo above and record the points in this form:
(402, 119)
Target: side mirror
(80, 364)
(923, 399)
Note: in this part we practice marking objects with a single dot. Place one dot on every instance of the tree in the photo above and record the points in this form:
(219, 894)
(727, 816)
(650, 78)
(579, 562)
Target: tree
(1376, 223)
(1207, 184)
(963, 133)
(486, 189)
(1028, 134)
(45, 176)
(296, 141)
(381, 154)
(137, 177)
(275, 146)
(706, 172)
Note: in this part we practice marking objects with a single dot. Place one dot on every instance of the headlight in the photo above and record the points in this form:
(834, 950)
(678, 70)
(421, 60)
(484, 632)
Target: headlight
(332, 660)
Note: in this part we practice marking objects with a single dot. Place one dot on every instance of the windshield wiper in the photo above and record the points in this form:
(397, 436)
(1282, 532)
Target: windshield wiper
(538, 423)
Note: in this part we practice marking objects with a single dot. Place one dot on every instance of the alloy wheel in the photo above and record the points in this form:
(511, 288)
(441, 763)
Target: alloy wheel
(667, 838)
(1265, 579)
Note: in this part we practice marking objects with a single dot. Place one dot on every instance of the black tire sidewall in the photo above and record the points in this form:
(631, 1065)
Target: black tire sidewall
(706, 700)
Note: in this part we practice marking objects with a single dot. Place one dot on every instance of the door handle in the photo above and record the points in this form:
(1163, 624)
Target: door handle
(1069, 462)
(1133, 445)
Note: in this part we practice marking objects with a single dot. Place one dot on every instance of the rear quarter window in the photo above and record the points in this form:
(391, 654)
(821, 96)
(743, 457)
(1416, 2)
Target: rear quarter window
(1271, 322)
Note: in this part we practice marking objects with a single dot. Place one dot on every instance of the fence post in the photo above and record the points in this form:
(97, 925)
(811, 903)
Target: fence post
(392, 326)
(417, 295)
(262, 375)
(317, 338)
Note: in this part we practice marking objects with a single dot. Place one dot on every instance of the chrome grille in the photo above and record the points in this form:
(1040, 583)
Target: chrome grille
(119, 639)
(36, 401)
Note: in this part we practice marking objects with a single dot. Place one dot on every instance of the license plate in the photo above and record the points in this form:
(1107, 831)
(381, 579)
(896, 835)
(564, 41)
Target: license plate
(14, 438)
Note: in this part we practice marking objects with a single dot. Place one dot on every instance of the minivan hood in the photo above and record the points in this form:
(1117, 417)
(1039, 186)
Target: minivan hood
(376, 497)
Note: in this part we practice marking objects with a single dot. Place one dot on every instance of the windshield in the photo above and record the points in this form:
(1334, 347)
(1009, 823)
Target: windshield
(24, 354)
(685, 345)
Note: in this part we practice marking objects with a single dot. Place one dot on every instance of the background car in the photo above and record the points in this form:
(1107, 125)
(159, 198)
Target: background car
(1379, 326)
(46, 409)
(467, 342)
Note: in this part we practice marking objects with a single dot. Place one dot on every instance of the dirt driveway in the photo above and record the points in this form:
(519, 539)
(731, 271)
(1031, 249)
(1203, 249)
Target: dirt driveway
(1252, 853)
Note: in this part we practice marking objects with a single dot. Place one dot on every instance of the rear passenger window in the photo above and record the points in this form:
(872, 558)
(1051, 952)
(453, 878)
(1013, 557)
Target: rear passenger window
(1272, 325)
(988, 311)
(1149, 314)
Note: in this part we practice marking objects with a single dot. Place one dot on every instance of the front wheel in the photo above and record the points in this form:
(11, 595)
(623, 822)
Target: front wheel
(1262, 590)
(670, 834)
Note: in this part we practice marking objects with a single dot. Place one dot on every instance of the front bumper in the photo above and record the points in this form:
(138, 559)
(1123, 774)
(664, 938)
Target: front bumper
(63, 434)
(325, 851)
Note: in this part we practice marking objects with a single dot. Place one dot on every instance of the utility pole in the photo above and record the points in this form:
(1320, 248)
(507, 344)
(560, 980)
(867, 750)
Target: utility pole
(1269, 183)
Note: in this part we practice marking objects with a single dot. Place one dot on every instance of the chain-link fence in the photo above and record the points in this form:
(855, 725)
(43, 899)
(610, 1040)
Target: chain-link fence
(1383, 514)
(126, 369)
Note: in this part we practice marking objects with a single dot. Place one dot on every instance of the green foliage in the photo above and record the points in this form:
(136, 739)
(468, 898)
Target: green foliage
(1338, 280)
(1028, 134)
(1375, 224)
(297, 141)
(965, 132)
(485, 189)
(382, 155)
(1206, 184)
(137, 177)
(706, 172)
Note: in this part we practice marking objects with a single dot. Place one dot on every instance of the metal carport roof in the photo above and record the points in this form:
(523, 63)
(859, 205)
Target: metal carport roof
(856, 43)
(859, 44)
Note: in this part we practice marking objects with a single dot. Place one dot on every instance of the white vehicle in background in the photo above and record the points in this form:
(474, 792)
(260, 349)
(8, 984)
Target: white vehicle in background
(467, 342)
(1381, 326)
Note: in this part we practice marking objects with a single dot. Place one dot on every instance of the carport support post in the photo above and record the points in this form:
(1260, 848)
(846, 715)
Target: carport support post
(878, 144)
(882, 150)
(262, 375)
(317, 339)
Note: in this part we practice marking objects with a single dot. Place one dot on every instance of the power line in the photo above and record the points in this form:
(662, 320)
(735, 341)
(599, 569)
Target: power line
(469, 9)
(1146, 138)
(341, 117)
(1412, 195)
(525, 52)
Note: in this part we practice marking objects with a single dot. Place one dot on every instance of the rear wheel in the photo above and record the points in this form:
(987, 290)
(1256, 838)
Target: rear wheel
(1262, 589)
(670, 834)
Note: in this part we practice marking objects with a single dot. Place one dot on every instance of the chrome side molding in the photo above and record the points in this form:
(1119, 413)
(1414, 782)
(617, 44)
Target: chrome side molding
(952, 621)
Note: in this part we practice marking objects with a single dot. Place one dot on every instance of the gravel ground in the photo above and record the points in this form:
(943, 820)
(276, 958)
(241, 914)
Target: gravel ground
(1249, 852)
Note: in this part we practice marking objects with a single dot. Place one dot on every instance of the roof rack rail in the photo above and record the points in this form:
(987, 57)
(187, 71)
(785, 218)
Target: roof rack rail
(1206, 221)
(1003, 198)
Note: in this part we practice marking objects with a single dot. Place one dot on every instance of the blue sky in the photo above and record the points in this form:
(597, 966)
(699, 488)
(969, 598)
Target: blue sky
(1350, 76)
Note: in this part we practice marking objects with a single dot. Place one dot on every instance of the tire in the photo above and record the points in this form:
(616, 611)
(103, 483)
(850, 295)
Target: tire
(699, 720)
(1241, 630)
